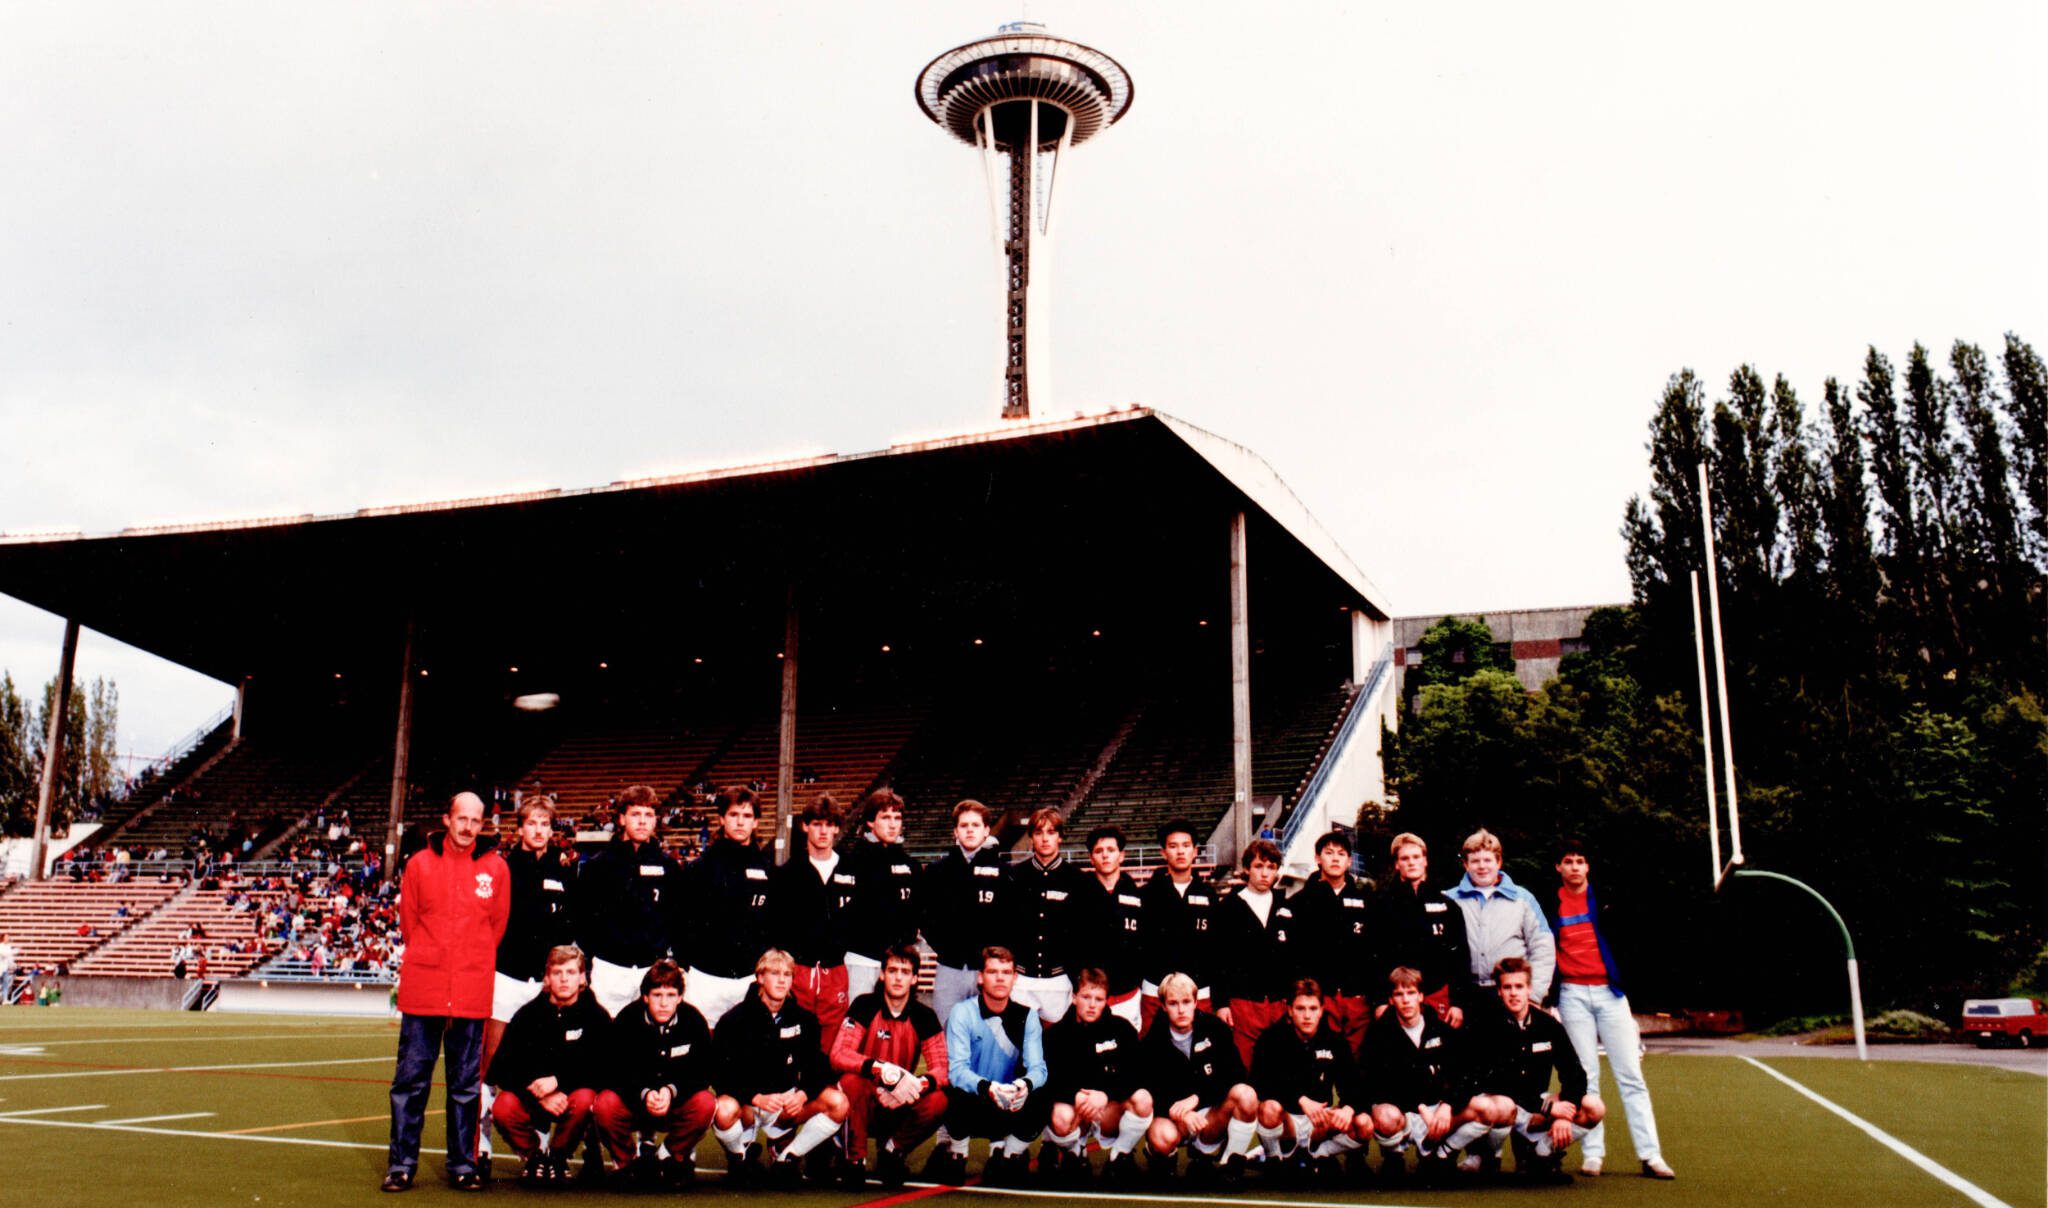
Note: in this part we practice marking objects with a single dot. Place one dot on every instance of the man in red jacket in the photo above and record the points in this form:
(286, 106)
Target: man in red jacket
(453, 903)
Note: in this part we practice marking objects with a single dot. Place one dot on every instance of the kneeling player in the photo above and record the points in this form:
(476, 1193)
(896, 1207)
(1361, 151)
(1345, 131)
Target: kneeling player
(1192, 1068)
(1308, 1086)
(1517, 1047)
(1091, 1063)
(774, 1079)
(1412, 1062)
(875, 1055)
(661, 1079)
(995, 1060)
(548, 1066)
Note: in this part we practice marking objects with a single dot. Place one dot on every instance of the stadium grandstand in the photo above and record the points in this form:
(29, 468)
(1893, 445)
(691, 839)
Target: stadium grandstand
(1040, 615)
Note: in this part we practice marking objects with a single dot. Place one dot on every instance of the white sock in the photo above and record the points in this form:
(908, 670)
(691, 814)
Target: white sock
(1069, 1141)
(1129, 1131)
(1465, 1134)
(815, 1130)
(1237, 1136)
(733, 1140)
(1393, 1144)
(1335, 1144)
(942, 1137)
(1206, 1148)
(1269, 1139)
(1012, 1146)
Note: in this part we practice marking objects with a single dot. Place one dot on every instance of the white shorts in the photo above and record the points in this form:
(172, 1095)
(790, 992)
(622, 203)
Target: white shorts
(508, 994)
(1049, 996)
(1128, 1009)
(713, 995)
(862, 973)
(615, 985)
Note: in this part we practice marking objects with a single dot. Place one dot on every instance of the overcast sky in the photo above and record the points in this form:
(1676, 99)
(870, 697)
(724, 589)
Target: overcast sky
(1434, 262)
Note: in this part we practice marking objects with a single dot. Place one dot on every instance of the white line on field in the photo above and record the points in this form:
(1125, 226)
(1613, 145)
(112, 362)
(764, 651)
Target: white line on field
(44, 1111)
(1127, 1196)
(379, 1146)
(198, 1037)
(192, 1069)
(154, 1119)
(1950, 1177)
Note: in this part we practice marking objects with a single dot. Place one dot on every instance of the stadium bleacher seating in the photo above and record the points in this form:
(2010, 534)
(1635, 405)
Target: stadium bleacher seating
(42, 918)
(841, 753)
(199, 917)
(248, 785)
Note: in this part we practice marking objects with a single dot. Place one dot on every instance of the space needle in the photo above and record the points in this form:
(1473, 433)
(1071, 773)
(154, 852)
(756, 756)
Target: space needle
(1029, 96)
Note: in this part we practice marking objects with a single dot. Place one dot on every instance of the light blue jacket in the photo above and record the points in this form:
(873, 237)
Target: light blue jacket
(979, 1049)
(1502, 921)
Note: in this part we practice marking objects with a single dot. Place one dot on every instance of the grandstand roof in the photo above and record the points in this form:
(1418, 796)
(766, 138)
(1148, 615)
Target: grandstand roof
(1035, 523)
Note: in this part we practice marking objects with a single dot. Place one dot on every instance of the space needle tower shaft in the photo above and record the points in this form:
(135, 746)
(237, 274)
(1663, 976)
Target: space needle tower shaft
(1029, 98)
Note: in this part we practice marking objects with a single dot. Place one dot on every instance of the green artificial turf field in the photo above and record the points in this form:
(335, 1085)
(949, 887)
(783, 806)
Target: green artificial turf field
(139, 1107)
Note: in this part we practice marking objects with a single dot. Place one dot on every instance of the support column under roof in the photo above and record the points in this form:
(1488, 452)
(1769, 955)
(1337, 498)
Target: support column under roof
(53, 750)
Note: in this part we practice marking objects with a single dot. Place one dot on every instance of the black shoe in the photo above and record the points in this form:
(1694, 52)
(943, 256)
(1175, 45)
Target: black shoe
(849, 1174)
(678, 1173)
(740, 1169)
(785, 1174)
(1161, 1168)
(821, 1165)
(1052, 1165)
(1329, 1172)
(468, 1180)
(1230, 1172)
(396, 1180)
(1120, 1171)
(945, 1167)
(1001, 1171)
(535, 1171)
(1393, 1167)
(891, 1171)
(1435, 1170)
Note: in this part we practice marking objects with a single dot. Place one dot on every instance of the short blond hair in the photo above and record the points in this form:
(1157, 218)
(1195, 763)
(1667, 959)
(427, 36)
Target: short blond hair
(1173, 985)
(1480, 840)
(775, 958)
(1404, 839)
(565, 954)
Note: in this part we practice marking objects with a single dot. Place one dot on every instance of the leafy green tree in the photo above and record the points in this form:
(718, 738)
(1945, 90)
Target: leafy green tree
(17, 767)
(2026, 383)
(1455, 649)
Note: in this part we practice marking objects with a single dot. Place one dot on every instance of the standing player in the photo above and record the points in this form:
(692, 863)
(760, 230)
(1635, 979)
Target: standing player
(1255, 961)
(995, 1058)
(884, 913)
(660, 1080)
(1043, 893)
(960, 904)
(1179, 921)
(1421, 1086)
(1336, 949)
(1515, 1048)
(775, 1080)
(1422, 930)
(876, 1054)
(540, 921)
(1198, 1084)
(1595, 1012)
(725, 918)
(452, 907)
(1092, 1082)
(1111, 923)
(1308, 1086)
(550, 1068)
(810, 900)
(625, 902)
(1502, 919)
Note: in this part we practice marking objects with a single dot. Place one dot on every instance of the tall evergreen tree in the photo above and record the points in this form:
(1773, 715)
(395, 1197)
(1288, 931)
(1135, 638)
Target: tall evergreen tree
(1795, 480)
(1845, 523)
(2026, 385)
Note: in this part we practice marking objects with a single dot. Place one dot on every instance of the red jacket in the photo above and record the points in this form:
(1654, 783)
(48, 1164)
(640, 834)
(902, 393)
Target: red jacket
(452, 908)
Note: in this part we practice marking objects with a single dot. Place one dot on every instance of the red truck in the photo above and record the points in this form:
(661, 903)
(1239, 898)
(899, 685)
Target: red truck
(2010, 1020)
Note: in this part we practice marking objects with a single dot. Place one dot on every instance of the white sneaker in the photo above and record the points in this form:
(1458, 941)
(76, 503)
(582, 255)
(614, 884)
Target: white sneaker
(1654, 1168)
(1591, 1168)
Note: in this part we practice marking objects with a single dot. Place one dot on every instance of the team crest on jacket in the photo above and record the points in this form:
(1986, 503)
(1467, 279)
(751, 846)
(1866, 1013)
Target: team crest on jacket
(484, 887)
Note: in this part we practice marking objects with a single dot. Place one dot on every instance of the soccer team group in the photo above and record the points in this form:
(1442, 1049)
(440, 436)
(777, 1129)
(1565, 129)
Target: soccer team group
(1270, 1035)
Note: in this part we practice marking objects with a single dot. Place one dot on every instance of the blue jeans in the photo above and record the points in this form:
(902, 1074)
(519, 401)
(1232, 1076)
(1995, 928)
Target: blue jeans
(1594, 1016)
(420, 1040)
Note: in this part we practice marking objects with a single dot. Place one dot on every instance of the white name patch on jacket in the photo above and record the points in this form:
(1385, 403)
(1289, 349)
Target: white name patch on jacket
(1129, 900)
(551, 883)
(988, 872)
(1055, 895)
(1104, 1046)
(1541, 1046)
(792, 1031)
(757, 874)
(681, 1050)
(652, 870)
(1436, 907)
(573, 1034)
